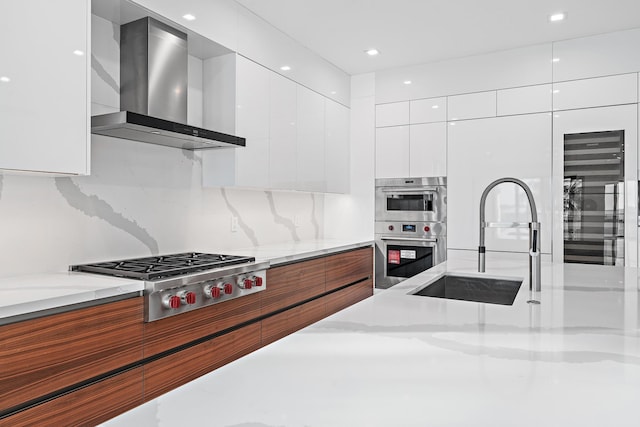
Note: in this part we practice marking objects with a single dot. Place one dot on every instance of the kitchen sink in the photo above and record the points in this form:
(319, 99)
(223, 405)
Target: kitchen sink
(473, 288)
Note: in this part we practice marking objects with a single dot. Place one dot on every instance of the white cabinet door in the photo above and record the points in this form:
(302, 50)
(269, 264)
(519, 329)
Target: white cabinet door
(394, 114)
(428, 110)
(523, 100)
(481, 151)
(392, 152)
(337, 152)
(597, 92)
(252, 122)
(44, 99)
(310, 137)
(428, 150)
(472, 106)
(282, 135)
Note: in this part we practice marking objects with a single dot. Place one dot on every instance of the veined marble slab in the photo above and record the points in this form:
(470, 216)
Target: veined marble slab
(282, 253)
(401, 360)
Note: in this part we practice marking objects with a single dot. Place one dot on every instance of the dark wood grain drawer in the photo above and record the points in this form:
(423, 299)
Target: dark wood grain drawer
(348, 296)
(87, 406)
(289, 321)
(43, 355)
(179, 368)
(348, 267)
(171, 332)
(290, 284)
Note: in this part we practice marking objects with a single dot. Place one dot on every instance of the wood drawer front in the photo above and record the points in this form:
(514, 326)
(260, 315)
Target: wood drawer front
(172, 371)
(287, 322)
(349, 267)
(87, 406)
(44, 355)
(174, 331)
(293, 283)
(345, 297)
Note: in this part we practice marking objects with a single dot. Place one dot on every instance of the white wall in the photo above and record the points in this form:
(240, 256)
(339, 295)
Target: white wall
(352, 215)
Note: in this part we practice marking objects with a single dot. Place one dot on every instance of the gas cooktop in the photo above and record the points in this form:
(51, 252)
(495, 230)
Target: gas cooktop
(178, 283)
(156, 267)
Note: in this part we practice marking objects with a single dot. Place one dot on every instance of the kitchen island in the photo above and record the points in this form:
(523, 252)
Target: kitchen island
(402, 360)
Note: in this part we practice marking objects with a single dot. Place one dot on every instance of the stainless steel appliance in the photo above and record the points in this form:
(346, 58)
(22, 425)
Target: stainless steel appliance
(178, 283)
(153, 91)
(410, 227)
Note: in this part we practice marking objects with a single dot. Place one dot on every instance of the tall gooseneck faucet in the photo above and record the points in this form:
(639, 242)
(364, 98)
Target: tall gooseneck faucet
(534, 233)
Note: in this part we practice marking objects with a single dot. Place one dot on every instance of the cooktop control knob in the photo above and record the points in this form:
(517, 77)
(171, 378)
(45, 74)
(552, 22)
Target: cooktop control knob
(212, 291)
(187, 297)
(245, 283)
(257, 280)
(171, 301)
(228, 288)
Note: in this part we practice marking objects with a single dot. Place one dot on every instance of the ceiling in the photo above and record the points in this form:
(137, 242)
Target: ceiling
(418, 31)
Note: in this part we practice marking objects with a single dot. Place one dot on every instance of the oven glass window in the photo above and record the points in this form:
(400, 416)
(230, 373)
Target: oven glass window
(410, 202)
(407, 261)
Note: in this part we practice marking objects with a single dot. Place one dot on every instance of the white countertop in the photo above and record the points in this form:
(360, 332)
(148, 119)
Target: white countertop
(29, 294)
(26, 295)
(403, 360)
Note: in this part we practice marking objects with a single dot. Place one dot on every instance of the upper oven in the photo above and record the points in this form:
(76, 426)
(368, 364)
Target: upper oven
(413, 199)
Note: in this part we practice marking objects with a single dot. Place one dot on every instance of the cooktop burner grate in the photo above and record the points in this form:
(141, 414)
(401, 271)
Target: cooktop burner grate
(150, 268)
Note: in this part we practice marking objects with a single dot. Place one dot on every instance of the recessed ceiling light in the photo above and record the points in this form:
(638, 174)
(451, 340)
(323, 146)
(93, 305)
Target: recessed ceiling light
(189, 17)
(555, 60)
(285, 68)
(333, 92)
(557, 17)
(372, 52)
(407, 82)
(435, 107)
(5, 79)
(78, 52)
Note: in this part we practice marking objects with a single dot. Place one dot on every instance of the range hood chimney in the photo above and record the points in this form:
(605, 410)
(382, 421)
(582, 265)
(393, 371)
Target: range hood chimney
(153, 91)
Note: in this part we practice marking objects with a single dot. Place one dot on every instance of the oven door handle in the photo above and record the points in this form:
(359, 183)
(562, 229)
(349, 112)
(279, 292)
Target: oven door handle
(410, 239)
(415, 190)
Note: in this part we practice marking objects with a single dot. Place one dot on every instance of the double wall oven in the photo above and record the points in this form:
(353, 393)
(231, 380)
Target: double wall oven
(410, 227)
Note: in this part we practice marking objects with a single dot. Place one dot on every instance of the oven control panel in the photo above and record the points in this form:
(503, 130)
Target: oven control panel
(181, 298)
(422, 230)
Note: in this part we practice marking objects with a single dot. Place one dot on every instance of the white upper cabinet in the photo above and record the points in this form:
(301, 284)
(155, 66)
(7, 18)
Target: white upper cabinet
(310, 136)
(601, 55)
(472, 106)
(282, 132)
(597, 92)
(393, 114)
(392, 152)
(523, 100)
(44, 99)
(428, 110)
(428, 149)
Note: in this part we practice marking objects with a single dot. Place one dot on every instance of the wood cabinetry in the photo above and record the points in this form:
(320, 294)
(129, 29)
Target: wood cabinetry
(313, 290)
(179, 368)
(85, 366)
(47, 354)
(86, 406)
(172, 332)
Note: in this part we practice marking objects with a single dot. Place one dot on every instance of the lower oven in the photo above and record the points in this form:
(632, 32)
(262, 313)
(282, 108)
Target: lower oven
(406, 249)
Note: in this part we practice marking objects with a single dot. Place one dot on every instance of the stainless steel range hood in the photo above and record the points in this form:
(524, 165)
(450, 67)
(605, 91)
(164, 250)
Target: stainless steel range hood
(153, 91)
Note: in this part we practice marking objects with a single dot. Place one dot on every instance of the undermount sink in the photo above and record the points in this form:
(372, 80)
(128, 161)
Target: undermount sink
(472, 288)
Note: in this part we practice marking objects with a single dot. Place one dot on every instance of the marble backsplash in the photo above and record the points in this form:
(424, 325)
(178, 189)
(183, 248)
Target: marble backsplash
(140, 199)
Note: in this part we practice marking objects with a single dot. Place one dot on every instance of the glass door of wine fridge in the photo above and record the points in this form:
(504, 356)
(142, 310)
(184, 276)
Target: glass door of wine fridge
(594, 198)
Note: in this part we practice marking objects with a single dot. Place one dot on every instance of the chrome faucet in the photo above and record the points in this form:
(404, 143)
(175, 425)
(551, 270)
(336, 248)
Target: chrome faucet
(534, 234)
